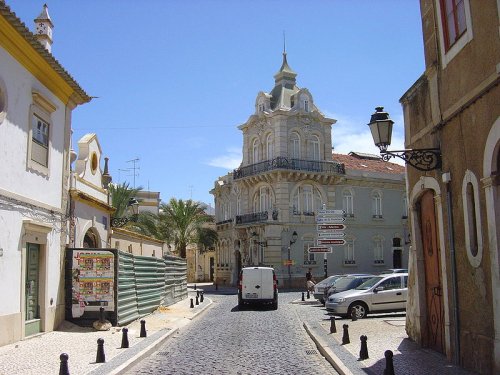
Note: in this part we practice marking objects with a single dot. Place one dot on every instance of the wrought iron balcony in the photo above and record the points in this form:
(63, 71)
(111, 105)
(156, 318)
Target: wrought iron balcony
(290, 164)
(252, 218)
(224, 222)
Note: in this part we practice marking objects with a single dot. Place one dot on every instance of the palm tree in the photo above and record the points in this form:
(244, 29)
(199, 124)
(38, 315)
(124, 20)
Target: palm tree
(182, 222)
(121, 196)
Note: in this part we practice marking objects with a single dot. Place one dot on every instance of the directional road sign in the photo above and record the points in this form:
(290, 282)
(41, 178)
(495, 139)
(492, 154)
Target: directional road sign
(331, 234)
(331, 241)
(319, 249)
(331, 212)
(330, 226)
(329, 219)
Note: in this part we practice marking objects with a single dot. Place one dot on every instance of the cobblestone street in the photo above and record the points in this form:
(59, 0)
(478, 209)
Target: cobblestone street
(225, 340)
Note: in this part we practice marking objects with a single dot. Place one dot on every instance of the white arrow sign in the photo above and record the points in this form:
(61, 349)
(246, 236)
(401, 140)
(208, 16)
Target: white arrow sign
(331, 234)
(331, 212)
(330, 219)
(331, 241)
(331, 227)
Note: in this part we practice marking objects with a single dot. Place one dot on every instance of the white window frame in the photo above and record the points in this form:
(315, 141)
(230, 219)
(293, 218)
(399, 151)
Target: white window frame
(41, 108)
(349, 254)
(255, 151)
(377, 204)
(447, 56)
(309, 258)
(270, 147)
(314, 144)
(264, 198)
(378, 250)
(348, 202)
(295, 146)
(469, 212)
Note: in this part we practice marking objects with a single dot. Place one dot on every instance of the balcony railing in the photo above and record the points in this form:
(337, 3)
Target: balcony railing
(252, 218)
(224, 222)
(290, 164)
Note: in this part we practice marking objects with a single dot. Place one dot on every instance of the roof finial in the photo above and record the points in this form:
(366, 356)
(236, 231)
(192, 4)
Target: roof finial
(284, 43)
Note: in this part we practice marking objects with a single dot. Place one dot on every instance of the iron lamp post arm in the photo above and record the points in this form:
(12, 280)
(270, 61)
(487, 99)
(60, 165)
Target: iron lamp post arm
(424, 159)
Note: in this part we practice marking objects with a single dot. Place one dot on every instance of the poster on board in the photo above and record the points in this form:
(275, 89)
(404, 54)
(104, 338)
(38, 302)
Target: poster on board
(93, 278)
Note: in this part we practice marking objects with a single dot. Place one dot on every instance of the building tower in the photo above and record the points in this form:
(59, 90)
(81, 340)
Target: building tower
(43, 27)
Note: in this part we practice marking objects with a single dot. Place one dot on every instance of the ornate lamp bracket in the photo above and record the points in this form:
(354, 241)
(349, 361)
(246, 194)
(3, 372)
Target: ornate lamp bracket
(424, 159)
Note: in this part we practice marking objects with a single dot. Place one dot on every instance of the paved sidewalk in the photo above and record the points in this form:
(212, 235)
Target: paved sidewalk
(383, 331)
(40, 354)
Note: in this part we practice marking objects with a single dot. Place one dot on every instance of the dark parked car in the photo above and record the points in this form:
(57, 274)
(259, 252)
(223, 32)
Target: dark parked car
(319, 288)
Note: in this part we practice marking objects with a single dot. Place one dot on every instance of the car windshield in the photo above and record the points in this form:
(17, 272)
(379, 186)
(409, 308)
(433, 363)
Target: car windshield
(369, 283)
(328, 281)
(343, 282)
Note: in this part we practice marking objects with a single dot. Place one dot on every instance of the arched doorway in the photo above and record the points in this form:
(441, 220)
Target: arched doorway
(90, 240)
(434, 333)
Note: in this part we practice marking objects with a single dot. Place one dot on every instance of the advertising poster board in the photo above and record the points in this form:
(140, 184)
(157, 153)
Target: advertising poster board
(92, 281)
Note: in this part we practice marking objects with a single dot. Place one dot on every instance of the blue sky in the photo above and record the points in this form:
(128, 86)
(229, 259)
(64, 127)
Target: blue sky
(174, 79)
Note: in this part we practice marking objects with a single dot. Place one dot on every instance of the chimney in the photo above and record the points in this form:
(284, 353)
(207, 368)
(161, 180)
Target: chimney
(43, 28)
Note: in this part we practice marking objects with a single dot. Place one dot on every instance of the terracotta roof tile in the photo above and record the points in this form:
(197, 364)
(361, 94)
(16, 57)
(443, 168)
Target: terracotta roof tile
(352, 162)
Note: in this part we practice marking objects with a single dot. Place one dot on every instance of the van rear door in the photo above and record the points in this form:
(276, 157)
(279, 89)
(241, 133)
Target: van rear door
(252, 283)
(267, 285)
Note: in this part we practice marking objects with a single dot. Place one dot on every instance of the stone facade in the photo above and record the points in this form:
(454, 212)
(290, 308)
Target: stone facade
(287, 174)
(454, 297)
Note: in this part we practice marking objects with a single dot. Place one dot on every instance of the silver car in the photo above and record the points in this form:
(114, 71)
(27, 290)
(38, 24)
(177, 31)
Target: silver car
(320, 287)
(384, 293)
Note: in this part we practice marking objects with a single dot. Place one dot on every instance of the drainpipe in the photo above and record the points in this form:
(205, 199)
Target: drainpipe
(451, 238)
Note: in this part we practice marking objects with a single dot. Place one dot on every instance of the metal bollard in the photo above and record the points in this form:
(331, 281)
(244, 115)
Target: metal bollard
(303, 299)
(345, 336)
(201, 297)
(63, 367)
(353, 315)
(197, 293)
(308, 295)
(100, 357)
(363, 353)
(143, 329)
(389, 365)
(333, 327)
(216, 286)
(102, 318)
(125, 338)
(197, 302)
(194, 286)
(191, 306)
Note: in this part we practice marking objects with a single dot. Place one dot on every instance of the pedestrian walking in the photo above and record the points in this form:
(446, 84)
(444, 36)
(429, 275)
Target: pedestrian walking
(310, 282)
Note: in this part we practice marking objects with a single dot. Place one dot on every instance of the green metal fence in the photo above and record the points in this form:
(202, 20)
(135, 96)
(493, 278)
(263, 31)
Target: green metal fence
(144, 283)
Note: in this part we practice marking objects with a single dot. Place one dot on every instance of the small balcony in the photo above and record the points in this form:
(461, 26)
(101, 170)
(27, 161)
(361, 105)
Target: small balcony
(254, 217)
(289, 164)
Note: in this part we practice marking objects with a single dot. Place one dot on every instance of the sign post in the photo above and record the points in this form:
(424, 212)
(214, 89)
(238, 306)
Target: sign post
(330, 230)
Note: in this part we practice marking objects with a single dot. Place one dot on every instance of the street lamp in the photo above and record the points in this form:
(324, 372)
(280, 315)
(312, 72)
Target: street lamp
(292, 241)
(423, 159)
(133, 205)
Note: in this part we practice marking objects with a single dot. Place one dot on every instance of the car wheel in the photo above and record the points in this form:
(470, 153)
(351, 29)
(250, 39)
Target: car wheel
(322, 301)
(360, 308)
(275, 305)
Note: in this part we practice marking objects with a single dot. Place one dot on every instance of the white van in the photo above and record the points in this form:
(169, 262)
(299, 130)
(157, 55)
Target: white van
(258, 285)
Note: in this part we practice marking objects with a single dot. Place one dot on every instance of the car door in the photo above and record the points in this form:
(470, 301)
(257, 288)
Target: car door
(389, 294)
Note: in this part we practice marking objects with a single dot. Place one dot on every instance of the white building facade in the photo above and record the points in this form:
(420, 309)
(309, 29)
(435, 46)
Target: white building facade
(266, 209)
(37, 97)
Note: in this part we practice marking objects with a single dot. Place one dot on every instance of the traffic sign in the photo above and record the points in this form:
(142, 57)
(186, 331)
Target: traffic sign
(330, 219)
(331, 241)
(319, 249)
(331, 226)
(288, 262)
(331, 234)
(331, 212)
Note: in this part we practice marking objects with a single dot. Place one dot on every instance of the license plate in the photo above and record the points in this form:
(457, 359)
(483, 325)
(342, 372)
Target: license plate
(251, 295)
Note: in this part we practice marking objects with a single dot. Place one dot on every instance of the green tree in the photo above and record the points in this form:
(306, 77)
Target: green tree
(121, 196)
(183, 223)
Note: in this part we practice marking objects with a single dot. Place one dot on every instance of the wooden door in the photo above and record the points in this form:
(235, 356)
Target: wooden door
(434, 334)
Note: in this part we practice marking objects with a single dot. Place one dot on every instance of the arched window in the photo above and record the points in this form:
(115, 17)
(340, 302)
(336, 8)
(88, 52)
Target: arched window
(294, 146)
(264, 198)
(308, 241)
(90, 240)
(349, 258)
(306, 200)
(255, 151)
(270, 147)
(348, 202)
(378, 250)
(314, 151)
(377, 204)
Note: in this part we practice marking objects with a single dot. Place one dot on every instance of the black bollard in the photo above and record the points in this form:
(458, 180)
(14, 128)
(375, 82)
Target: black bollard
(191, 306)
(143, 329)
(345, 336)
(124, 338)
(100, 357)
(197, 293)
(194, 286)
(389, 365)
(63, 367)
(201, 297)
(308, 295)
(303, 298)
(216, 286)
(102, 318)
(197, 302)
(363, 353)
(333, 328)
(353, 315)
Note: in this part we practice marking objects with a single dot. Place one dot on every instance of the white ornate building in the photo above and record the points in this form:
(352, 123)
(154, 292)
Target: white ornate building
(266, 209)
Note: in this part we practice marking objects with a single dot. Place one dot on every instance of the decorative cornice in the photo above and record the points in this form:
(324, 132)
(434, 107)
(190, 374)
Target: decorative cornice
(80, 196)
